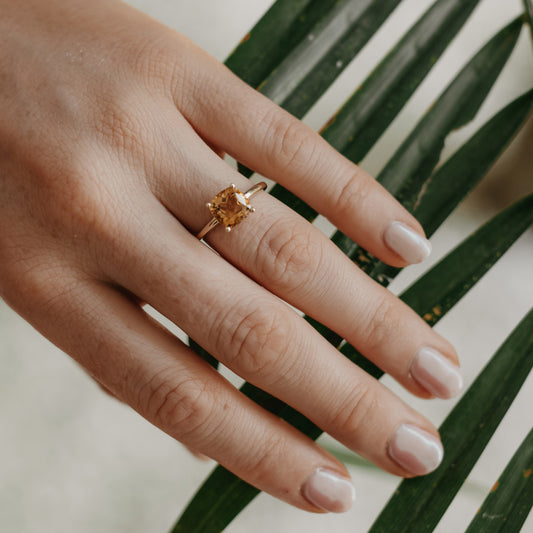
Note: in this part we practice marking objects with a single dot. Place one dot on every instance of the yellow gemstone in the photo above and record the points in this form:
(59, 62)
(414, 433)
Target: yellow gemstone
(230, 207)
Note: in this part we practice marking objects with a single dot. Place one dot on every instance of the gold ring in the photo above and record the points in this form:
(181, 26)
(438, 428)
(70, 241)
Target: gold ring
(230, 207)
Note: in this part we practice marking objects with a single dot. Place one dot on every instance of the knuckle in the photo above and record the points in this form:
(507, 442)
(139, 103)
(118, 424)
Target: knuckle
(72, 194)
(353, 193)
(181, 407)
(168, 69)
(254, 341)
(289, 256)
(152, 59)
(269, 452)
(379, 324)
(121, 129)
(292, 142)
(52, 288)
(157, 60)
(356, 411)
(88, 209)
(81, 209)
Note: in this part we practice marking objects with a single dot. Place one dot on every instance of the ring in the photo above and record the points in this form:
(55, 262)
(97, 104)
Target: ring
(230, 207)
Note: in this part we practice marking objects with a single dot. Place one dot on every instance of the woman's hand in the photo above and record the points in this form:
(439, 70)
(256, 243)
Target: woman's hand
(109, 133)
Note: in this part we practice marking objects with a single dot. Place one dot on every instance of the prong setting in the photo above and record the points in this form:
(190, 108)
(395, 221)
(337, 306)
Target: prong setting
(229, 207)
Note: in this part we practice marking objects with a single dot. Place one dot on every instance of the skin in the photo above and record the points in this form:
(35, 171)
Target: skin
(111, 130)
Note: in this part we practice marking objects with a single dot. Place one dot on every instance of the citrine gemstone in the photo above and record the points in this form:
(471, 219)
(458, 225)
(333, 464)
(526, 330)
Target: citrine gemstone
(230, 207)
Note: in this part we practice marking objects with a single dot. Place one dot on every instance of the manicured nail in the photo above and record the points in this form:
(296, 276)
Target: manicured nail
(329, 491)
(416, 450)
(407, 243)
(436, 373)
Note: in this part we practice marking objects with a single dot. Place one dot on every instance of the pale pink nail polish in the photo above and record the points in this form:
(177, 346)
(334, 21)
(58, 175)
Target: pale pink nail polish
(436, 373)
(406, 242)
(416, 450)
(329, 491)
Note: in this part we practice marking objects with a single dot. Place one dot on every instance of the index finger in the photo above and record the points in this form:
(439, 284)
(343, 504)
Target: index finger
(261, 135)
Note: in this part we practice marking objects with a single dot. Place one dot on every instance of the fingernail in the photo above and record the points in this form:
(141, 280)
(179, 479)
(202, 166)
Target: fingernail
(416, 450)
(406, 242)
(436, 373)
(329, 491)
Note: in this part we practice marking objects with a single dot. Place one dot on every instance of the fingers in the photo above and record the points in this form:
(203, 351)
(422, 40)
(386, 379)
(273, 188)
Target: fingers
(292, 259)
(272, 142)
(142, 364)
(198, 455)
(269, 345)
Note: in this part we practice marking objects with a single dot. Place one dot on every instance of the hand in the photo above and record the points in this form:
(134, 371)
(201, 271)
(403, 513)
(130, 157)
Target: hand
(111, 126)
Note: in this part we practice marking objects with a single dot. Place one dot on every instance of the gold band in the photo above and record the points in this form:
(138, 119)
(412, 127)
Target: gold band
(230, 207)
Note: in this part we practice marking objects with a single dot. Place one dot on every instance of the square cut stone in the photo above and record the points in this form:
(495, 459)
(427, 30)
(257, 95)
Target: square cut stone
(230, 207)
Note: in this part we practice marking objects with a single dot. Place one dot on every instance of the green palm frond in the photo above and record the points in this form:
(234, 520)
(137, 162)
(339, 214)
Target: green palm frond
(510, 500)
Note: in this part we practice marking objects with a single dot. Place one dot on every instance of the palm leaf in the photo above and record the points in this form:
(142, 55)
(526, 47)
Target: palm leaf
(440, 289)
(279, 31)
(419, 153)
(451, 182)
(506, 507)
(411, 165)
(419, 503)
(356, 127)
(311, 66)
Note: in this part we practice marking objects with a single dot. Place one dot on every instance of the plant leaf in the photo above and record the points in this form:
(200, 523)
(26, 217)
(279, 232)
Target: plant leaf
(411, 165)
(419, 153)
(446, 283)
(223, 495)
(365, 116)
(279, 31)
(307, 71)
(506, 507)
(312, 66)
(443, 191)
(419, 503)
(451, 182)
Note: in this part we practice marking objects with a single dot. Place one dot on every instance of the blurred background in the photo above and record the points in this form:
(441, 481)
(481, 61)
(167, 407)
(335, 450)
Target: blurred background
(72, 458)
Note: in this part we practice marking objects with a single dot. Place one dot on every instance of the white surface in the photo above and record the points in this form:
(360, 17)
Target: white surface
(75, 460)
